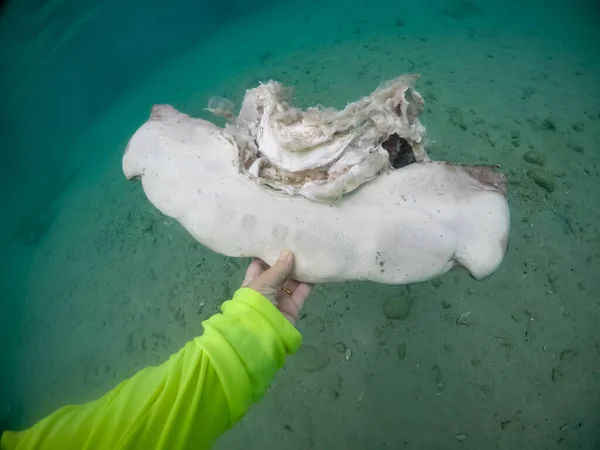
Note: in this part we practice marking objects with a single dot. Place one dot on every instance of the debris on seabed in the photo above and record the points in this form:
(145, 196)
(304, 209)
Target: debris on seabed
(348, 354)
(465, 319)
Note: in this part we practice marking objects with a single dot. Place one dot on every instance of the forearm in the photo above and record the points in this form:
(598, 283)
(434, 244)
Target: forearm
(186, 402)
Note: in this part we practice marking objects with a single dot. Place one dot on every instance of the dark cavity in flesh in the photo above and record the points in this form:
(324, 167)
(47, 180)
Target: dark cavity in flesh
(400, 151)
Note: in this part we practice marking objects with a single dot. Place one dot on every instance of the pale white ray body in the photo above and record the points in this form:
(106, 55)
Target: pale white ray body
(404, 226)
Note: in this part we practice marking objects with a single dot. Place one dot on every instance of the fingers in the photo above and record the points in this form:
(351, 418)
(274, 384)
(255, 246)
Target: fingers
(301, 294)
(289, 285)
(274, 284)
(291, 306)
(254, 270)
(276, 275)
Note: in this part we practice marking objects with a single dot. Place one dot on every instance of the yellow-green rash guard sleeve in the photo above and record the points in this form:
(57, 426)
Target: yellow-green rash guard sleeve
(188, 401)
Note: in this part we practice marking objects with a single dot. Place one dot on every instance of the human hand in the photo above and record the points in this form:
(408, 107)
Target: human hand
(287, 295)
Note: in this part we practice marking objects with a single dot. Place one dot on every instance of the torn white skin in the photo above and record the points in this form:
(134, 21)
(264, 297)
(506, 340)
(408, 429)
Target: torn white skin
(322, 153)
(277, 177)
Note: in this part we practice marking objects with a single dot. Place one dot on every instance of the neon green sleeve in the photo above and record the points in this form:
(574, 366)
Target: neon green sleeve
(186, 402)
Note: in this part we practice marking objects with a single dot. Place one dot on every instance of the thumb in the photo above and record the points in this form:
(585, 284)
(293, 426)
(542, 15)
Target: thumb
(277, 274)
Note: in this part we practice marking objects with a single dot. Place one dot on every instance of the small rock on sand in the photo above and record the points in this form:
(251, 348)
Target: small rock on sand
(310, 359)
(401, 350)
(397, 308)
(542, 178)
(535, 157)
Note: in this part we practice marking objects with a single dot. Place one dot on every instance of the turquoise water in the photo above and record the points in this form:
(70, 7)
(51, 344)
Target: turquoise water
(96, 284)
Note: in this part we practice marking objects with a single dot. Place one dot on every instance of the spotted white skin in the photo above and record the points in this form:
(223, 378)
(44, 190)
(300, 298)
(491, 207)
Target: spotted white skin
(403, 226)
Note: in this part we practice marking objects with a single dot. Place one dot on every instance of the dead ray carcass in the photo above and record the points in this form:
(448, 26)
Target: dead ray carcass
(351, 192)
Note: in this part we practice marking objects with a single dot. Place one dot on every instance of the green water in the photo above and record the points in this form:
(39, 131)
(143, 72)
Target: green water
(96, 284)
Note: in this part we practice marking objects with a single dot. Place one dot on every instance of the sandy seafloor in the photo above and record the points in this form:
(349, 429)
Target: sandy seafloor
(114, 286)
